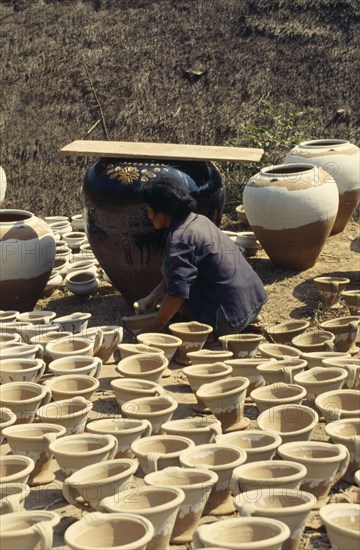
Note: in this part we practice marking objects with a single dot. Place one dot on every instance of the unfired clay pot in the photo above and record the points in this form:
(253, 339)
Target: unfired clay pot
(74, 322)
(145, 366)
(319, 380)
(246, 368)
(29, 530)
(76, 364)
(112, 336)
(203, 373)
(160, 505)
(126, 350)
(342, 523)
(24, 399)
(326, 463)
(68, 386)
(241, 345)
(209, 356)
(15, 469)
(347, 432)
(242, 534)
(33, 441)
(352, 366)
(155, 409)
(352, 300)
(193, 336)
(226, 399)
(199, 430)
(341, 159)
(43, 339)
(301, 206)
(282, 370)
(86, 487)
(37, 317)
(266, 475)
(330, 289)
(167, 342)
(259, 445)
(126, 431)
(73, 452)
(291, 422)
(160, 451)
(221, 459)
(334, 405)
(197, 485)
(345, 330)
(66, 347)
(278, 394)
(20, 350)
(292, 507)
(21, 370)
(12, 496)
(314, 340)
(279, 351)
(70, 413)
(283, 333)
(127, 389)
(315, 358)
(120, 531)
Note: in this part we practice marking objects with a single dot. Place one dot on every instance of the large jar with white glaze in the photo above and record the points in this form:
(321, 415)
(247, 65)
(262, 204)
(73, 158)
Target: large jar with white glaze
(27, 254)
(341, 159)
(291, 209)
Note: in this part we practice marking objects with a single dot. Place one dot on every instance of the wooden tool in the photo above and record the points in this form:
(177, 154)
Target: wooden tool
(166, 151)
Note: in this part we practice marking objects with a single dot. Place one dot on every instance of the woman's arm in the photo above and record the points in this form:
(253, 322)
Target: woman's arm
(169, 306)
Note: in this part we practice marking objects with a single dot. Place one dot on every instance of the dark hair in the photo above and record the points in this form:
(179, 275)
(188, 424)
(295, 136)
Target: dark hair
(169, 196)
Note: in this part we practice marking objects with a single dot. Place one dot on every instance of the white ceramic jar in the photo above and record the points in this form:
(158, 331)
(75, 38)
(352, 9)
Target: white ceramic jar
(291, 209)
(341, 159)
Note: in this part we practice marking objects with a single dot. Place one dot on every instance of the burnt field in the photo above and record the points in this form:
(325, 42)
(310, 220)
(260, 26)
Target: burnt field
(250, 72)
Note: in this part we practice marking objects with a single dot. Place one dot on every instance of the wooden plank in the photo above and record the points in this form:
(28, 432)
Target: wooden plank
(166, 151)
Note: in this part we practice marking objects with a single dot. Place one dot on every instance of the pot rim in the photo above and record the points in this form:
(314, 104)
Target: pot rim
(325, 143)
(245, 382)
(295, 170)
(176, 491)
(48, 426)
(211, 476)
(54, 445)
(285, 451)
(308, 504)
(299, 469)
(132, 466)
(273, 445)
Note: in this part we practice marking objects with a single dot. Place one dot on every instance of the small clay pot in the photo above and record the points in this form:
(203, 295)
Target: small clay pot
(70, 413)
(334, 405)
(341, 522)
(330, 289)
(167, 342)
(345, 330)
(161, 451)
(196, 483)
(126, 350)
(352, 366)
(15, 469)
(75, 322)
(265, 475)
(291, 422)
(314, 340)
(126, 431)
(112, 336)
(160, 505)
(347, 432)
(24, 399)
(7, 418)
(279, 351)
(121, 532)
(68, 386)
(76, 364)
(221, 459)
(259, 445)
(241, 345)
(12, 496)
(246, 368)
(157, 410)
(282, 370)
(320, 380)
(292, 507)
(283, 333)
(352, 300)
(36, 317)
(74, 452)
(193, 336)
(29, 530)
(145, 366)
(203, 373)
(199, 430)
(278, 394)
(81, 283)
(242, 534)
(209, 356)
(326, 463)
(128, 389)
(20, 350)
(21, 370)
(315, 358)
(86, 487)
(226, 399)
(66, 347)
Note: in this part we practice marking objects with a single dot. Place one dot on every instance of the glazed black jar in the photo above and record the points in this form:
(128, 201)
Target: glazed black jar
(122, 237)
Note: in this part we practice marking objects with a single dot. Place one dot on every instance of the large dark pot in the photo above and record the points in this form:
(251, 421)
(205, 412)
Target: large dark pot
(122, 237)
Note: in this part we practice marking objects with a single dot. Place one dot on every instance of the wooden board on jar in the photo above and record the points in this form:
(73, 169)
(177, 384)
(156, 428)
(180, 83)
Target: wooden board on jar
(165, 151)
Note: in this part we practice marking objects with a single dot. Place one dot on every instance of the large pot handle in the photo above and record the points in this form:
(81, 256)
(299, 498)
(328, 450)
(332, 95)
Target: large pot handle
(343, 466)
(98, 367)
(45, 532)
(153, 459)
(42, 369)
(68, 493)
(329, 345)
(47, 397)
(148, 428)
(288, 374)
(14, 503)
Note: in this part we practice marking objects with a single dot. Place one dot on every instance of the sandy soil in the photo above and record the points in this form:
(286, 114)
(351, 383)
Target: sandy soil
(290, 295)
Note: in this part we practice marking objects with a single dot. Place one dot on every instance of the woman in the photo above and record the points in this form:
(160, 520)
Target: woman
(202, 269)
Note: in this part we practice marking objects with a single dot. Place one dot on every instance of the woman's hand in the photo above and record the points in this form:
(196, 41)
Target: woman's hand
(169, 306)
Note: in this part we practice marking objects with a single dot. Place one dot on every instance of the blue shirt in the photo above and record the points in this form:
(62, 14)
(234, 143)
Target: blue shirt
(207, 269)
